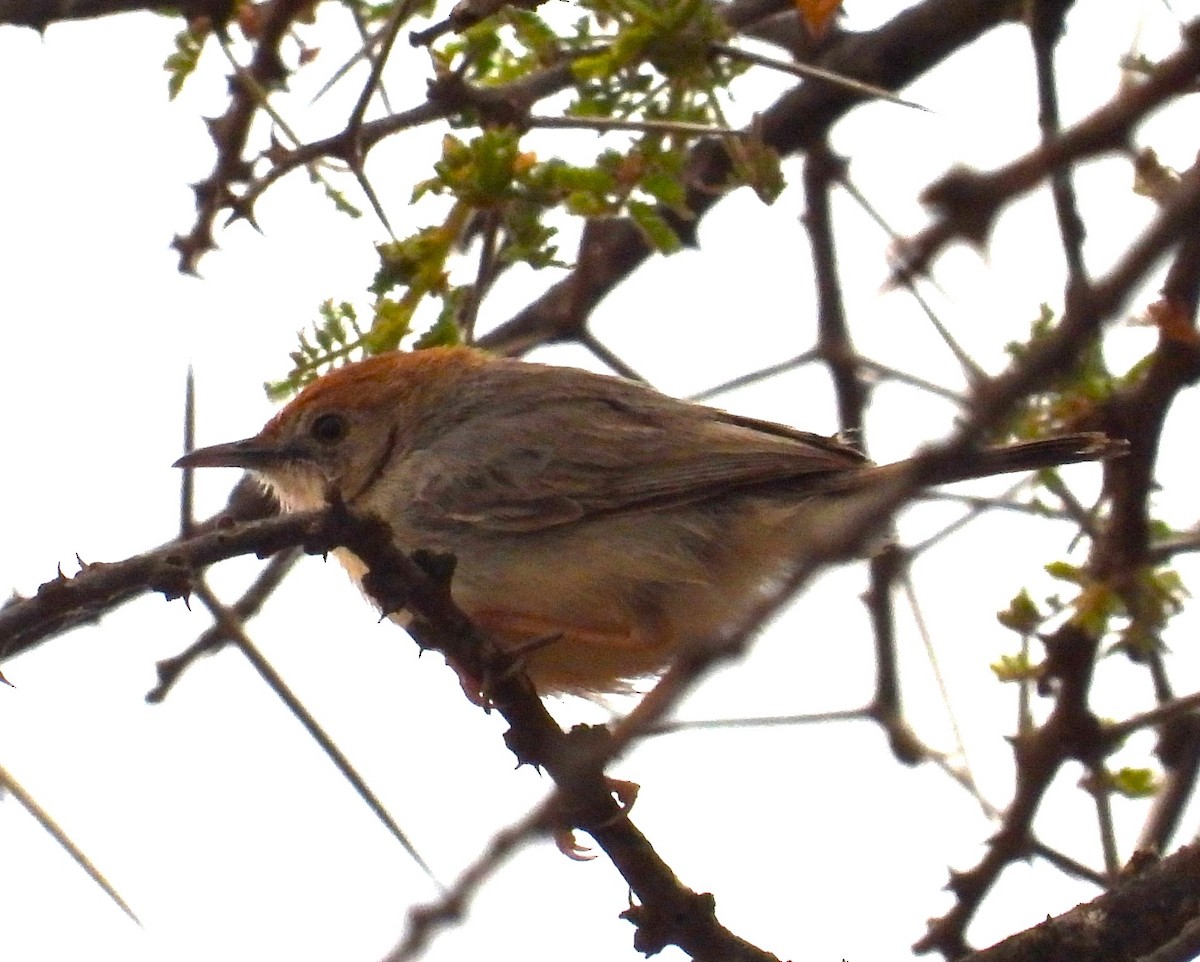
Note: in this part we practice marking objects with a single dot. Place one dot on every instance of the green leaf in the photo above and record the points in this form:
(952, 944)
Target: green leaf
(1138, 640)
(1010, 668)
(1021, 615)
(342, 205)
(585, 204)
(393, 322)
(1064, 571)
(1159, 529)
(665, 187)
(1135, 782)
(533, 33)
(1071, 397)
(760, 169)
(337, 337)
(279, 390)
(526, 238)
(406, 262)
(445, 331)
(1094, 607)
(658, 232)
(182, 63)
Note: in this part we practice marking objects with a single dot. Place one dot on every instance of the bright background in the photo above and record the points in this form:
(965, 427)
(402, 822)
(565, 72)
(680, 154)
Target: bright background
(217, 819)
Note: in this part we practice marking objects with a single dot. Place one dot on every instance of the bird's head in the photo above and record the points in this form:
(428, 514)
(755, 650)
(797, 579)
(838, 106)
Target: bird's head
(344, 430)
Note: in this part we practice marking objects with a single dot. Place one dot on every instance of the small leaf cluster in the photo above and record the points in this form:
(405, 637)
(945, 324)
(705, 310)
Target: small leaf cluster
(182, 63)
(657, 63)
(1133, 782)
(1142, 604)
(1023, 617)
(1153, 597)
(650, 60)
(490, 176)
(336, 336)
(507, 46)
(1072, 398)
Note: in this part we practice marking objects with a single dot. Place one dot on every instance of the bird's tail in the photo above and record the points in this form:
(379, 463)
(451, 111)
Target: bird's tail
(982, 463)
(1036, 455)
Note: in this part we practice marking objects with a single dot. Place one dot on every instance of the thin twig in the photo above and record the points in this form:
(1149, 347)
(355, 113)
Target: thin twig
(609, 124)
(43, 818)
(762, 374)
(977, 507)
(483, 275)
(1045, 19)
(675, 726)
(424, 920)
(231, 626)
(605, 355)
(1116, 732)
(911, 380)
(914, 606)
(187, 484)
(170, 670)
(817, 73)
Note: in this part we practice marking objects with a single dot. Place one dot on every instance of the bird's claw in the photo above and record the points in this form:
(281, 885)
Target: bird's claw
(625, 792)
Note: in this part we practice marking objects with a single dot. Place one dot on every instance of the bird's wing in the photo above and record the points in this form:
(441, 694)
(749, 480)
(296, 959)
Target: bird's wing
(626, 450)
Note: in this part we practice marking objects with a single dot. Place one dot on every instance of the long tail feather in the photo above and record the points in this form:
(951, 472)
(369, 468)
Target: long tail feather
(1036, 455)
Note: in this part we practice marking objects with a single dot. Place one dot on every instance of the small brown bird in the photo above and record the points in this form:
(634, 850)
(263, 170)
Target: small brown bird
(619, 521)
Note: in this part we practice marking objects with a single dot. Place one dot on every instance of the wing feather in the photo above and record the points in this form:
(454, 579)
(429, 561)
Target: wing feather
(629, 449)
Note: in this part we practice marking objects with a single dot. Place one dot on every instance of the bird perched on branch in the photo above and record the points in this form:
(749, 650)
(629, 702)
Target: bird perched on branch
(597, 524)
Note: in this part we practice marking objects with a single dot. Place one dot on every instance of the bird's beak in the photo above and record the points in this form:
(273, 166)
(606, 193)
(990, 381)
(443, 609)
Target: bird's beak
(250, 453)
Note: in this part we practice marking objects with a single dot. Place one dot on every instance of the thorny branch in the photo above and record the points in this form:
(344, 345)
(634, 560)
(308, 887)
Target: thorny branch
(669, 912)
(399, 582)
(1149, 912)
(1072, 731)
(967, 202)
(928, 32)
(966, 205)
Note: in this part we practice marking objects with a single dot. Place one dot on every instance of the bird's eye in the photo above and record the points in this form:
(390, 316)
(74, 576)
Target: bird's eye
(328, 428)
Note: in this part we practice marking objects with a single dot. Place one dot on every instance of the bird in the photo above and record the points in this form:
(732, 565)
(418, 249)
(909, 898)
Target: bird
(597, 525)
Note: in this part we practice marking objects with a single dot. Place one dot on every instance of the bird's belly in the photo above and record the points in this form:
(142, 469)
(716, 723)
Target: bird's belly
(591, 606)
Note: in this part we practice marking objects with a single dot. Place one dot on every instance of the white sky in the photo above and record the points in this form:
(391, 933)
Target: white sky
(223, 826)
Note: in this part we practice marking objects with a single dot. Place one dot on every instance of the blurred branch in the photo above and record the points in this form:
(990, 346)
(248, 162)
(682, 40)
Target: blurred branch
(9, 784)
(230, 131)
(808, 70)
(926, 33)
(39, 14)
(891, 57)
(835, 348)
(1072, 731)
(1151, 911)
(669, 912)
(230, 624)
(966, 202)
(170, 670)
(424, 920)
(1140, 412)
(1046, 24)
